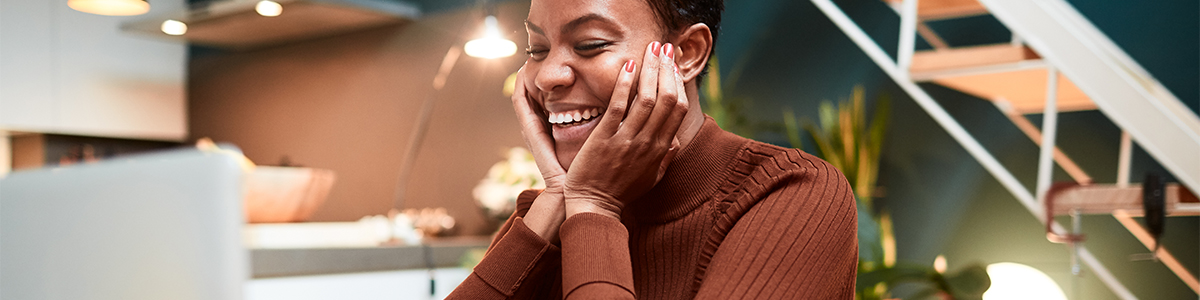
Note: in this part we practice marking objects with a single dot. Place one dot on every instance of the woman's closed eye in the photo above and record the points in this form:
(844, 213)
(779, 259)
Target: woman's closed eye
(591, 48)
(537, 53)
(586, 49)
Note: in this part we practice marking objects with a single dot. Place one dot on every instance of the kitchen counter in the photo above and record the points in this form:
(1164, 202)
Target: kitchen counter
(282, 262)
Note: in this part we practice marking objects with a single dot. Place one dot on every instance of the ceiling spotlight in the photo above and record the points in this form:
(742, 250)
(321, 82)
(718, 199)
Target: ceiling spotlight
(268, 8)
(173, 27)
(492, 44)
(110, 7)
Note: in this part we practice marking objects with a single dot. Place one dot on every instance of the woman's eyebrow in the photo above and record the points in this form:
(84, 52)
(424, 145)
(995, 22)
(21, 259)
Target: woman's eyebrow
(573, 24)
(534, 28)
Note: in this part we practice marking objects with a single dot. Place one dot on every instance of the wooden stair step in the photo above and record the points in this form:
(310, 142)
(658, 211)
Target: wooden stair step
(1105, 198)
(931, 61)
(1024, 90)
(945, 9)
(1014, 74)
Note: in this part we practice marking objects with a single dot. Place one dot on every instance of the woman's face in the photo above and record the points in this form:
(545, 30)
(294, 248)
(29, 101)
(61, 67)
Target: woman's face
(577, 49)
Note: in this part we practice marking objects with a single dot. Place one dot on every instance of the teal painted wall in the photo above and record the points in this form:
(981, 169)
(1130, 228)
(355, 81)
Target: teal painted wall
(788, 54)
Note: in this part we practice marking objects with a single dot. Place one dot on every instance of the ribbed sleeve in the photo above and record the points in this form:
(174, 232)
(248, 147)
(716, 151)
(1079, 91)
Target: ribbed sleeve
(595, 258)
(519, 264)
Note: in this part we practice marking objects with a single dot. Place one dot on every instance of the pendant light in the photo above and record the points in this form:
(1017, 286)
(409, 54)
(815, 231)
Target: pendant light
(491, 44)
(174, 27)
(268, 8)
(110, 7)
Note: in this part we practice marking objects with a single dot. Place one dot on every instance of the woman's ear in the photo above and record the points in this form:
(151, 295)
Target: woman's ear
(694, 44)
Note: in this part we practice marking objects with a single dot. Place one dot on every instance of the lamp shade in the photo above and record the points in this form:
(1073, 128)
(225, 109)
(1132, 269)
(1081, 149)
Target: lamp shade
(110, 7)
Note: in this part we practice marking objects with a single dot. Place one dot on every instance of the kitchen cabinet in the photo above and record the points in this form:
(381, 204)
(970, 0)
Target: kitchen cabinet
(68, 72)
(385, 285)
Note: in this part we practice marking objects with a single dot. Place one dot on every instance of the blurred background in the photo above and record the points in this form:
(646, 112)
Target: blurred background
(382, 95)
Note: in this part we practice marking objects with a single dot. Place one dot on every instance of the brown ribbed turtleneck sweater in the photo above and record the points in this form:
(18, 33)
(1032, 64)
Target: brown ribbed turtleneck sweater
(732, 218)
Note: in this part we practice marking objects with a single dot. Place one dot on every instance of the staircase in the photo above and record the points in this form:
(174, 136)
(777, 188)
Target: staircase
(1056, 61)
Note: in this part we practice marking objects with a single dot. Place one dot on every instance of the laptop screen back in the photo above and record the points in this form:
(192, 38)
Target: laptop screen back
(157, 226)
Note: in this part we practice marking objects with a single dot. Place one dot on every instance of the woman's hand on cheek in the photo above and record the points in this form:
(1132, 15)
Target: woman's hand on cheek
(627, 154)
(548, 210)
(536, 132)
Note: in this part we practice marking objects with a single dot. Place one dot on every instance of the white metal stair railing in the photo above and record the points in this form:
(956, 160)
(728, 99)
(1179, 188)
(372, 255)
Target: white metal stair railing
(900, 74)
(1010, 72)
(1120, 88)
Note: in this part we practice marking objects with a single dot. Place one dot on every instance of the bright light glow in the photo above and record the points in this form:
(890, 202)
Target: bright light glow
(939, 264)
(110, 7)
(173, 27)
(1017, 281)
(268, 8)
(492, 44)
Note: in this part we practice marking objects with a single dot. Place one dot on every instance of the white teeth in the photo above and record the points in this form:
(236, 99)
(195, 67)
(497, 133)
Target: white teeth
(564, 118)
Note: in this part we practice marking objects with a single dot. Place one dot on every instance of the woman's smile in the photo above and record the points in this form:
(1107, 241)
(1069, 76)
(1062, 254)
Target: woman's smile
(573, 125)
(575, 131)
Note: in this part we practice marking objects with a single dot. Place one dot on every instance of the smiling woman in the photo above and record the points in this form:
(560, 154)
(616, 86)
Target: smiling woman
(645, 196)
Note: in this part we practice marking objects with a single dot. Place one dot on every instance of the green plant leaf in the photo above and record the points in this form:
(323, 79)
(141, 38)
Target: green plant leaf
(792, 128)
(828, 116)
(969, 282)
(859, 110)
(870, 246)
(713, 95)
(895, 274)
(846, 136)
(866, 168)
(824, 146)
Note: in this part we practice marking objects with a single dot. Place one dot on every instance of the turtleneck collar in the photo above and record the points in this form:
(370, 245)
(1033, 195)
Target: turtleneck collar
(697, 171)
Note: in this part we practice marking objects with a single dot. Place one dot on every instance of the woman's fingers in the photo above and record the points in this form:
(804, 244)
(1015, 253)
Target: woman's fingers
(535, 131)
(668, 95)
(647, 94)
(616, 105)
(666, 162)
(678, 111)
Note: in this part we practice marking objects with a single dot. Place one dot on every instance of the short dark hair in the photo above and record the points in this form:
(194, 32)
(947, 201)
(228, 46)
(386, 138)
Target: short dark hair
(675, 15)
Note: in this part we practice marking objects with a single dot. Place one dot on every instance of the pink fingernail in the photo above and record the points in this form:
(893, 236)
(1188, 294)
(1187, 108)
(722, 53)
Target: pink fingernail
(667, 50)
(654, 48)
(629, 66)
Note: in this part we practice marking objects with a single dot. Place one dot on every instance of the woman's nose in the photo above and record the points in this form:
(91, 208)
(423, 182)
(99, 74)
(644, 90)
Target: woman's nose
(555, 73)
